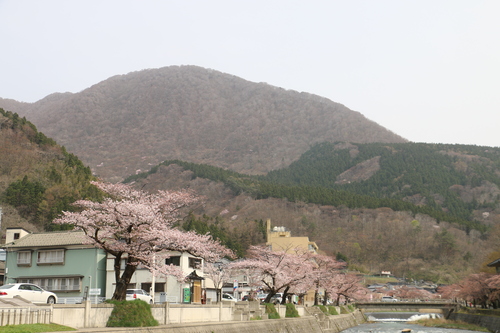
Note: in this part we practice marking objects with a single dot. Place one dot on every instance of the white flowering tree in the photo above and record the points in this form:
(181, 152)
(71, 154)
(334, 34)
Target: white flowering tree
(346, 287)
(139, 227)
(276, 271)
(219, 273)
(325, 269)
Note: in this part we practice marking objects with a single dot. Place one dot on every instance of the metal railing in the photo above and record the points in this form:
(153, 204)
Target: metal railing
(28, 315)
(79, 300)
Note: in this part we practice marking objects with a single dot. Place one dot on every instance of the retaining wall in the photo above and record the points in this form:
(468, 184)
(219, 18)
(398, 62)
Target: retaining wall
(490, 322)
(286, 325)
(96, 315)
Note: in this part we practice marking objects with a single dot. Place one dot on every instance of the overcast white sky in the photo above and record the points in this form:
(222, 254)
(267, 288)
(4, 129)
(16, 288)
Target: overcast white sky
(428, 70)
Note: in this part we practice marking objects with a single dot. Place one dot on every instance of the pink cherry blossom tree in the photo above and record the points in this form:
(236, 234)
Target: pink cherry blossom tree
(219, 273)
(493, 284)
(346, 287)
(276, 271)
(138, 227)
(325, 269)
(474, 289)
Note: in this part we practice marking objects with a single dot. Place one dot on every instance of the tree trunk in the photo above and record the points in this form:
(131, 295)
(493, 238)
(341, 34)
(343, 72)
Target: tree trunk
(269, 295)
(285, 295)
(123, 281)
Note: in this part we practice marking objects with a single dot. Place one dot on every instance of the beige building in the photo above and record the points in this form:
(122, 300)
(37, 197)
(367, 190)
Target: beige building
(280, 239)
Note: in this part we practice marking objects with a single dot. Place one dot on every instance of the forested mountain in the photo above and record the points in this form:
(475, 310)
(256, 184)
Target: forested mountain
(461, 180)
(454, 183)
(38, 178)
(131, 122)
(371, 238)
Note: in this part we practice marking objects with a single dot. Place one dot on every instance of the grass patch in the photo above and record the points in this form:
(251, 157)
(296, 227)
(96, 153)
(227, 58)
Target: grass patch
(443, 323)
(332, 311)
(323, 309)
(378, 279)
(271, 311)
(131, 314)
(34, 328)
(291, 311)
(343, 310)
(256, 318)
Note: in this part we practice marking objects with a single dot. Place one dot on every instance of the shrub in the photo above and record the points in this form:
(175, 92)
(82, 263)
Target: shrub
(291, 311)
(271, 311)
(332, 310)
(131, 314)
(323, 309)
(350, 307)
(343, 310)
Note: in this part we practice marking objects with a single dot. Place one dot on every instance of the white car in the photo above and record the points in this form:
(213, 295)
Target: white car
(227, 297)
(134, 294)
(28, 291)
(388, 299)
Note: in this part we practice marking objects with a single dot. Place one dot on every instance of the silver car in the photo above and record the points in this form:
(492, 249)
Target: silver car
(28, 291)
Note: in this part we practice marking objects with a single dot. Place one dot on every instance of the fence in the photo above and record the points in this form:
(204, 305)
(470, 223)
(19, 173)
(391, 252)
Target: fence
(18, 316)
(79, 300)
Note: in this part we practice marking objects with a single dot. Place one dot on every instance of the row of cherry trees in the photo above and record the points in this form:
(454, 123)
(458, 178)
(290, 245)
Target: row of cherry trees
(295, 271)
(480, 289)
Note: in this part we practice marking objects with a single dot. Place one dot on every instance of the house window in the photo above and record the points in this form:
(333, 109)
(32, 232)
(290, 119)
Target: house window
(56, 284)
(159, 287)
(16, 235)
(194, 262)
(175, 260)
(50, 257)
(24, 258)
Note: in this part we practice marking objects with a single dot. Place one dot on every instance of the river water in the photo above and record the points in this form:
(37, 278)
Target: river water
(391, 322)
(397, 327)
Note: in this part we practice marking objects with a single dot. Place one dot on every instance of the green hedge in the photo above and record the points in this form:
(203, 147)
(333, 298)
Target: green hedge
(332, 311)
(271, 311)
(291, 311)
(131, 314)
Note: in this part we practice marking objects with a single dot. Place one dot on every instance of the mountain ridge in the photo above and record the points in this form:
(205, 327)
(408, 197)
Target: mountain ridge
(133, 121)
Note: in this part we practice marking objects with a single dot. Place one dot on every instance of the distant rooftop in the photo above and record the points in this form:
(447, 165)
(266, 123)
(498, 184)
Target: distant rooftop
(46, 239)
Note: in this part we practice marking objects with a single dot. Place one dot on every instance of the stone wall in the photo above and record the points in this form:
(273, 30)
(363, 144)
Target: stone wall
(490, 322)
(310, 324)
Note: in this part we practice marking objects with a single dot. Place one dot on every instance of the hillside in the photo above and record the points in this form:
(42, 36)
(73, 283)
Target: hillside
(414, 245)
(461, 180)
(38, 178)
(131, 122)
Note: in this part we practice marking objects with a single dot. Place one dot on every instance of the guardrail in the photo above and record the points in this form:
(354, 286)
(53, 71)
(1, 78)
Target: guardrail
(79, 300)
(29, 315)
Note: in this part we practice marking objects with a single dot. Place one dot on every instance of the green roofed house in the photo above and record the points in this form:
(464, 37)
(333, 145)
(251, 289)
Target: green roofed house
(60, 262)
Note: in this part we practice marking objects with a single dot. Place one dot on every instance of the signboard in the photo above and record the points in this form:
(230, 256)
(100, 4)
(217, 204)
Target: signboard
(235, 284)
(186, 295)
(95, 291)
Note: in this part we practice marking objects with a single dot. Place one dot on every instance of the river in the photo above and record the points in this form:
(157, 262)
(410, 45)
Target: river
(396, 322)
(397, 327)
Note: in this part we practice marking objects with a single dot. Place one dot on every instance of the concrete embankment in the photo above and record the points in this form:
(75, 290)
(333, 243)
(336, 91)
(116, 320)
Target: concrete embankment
(490, 322)
(331, 324)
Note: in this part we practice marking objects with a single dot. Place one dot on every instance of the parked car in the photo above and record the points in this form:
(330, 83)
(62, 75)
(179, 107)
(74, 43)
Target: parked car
(261, 297)
(277, 298)
(134, 294)
(388, 299)
(227, 297)
(28, 291)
